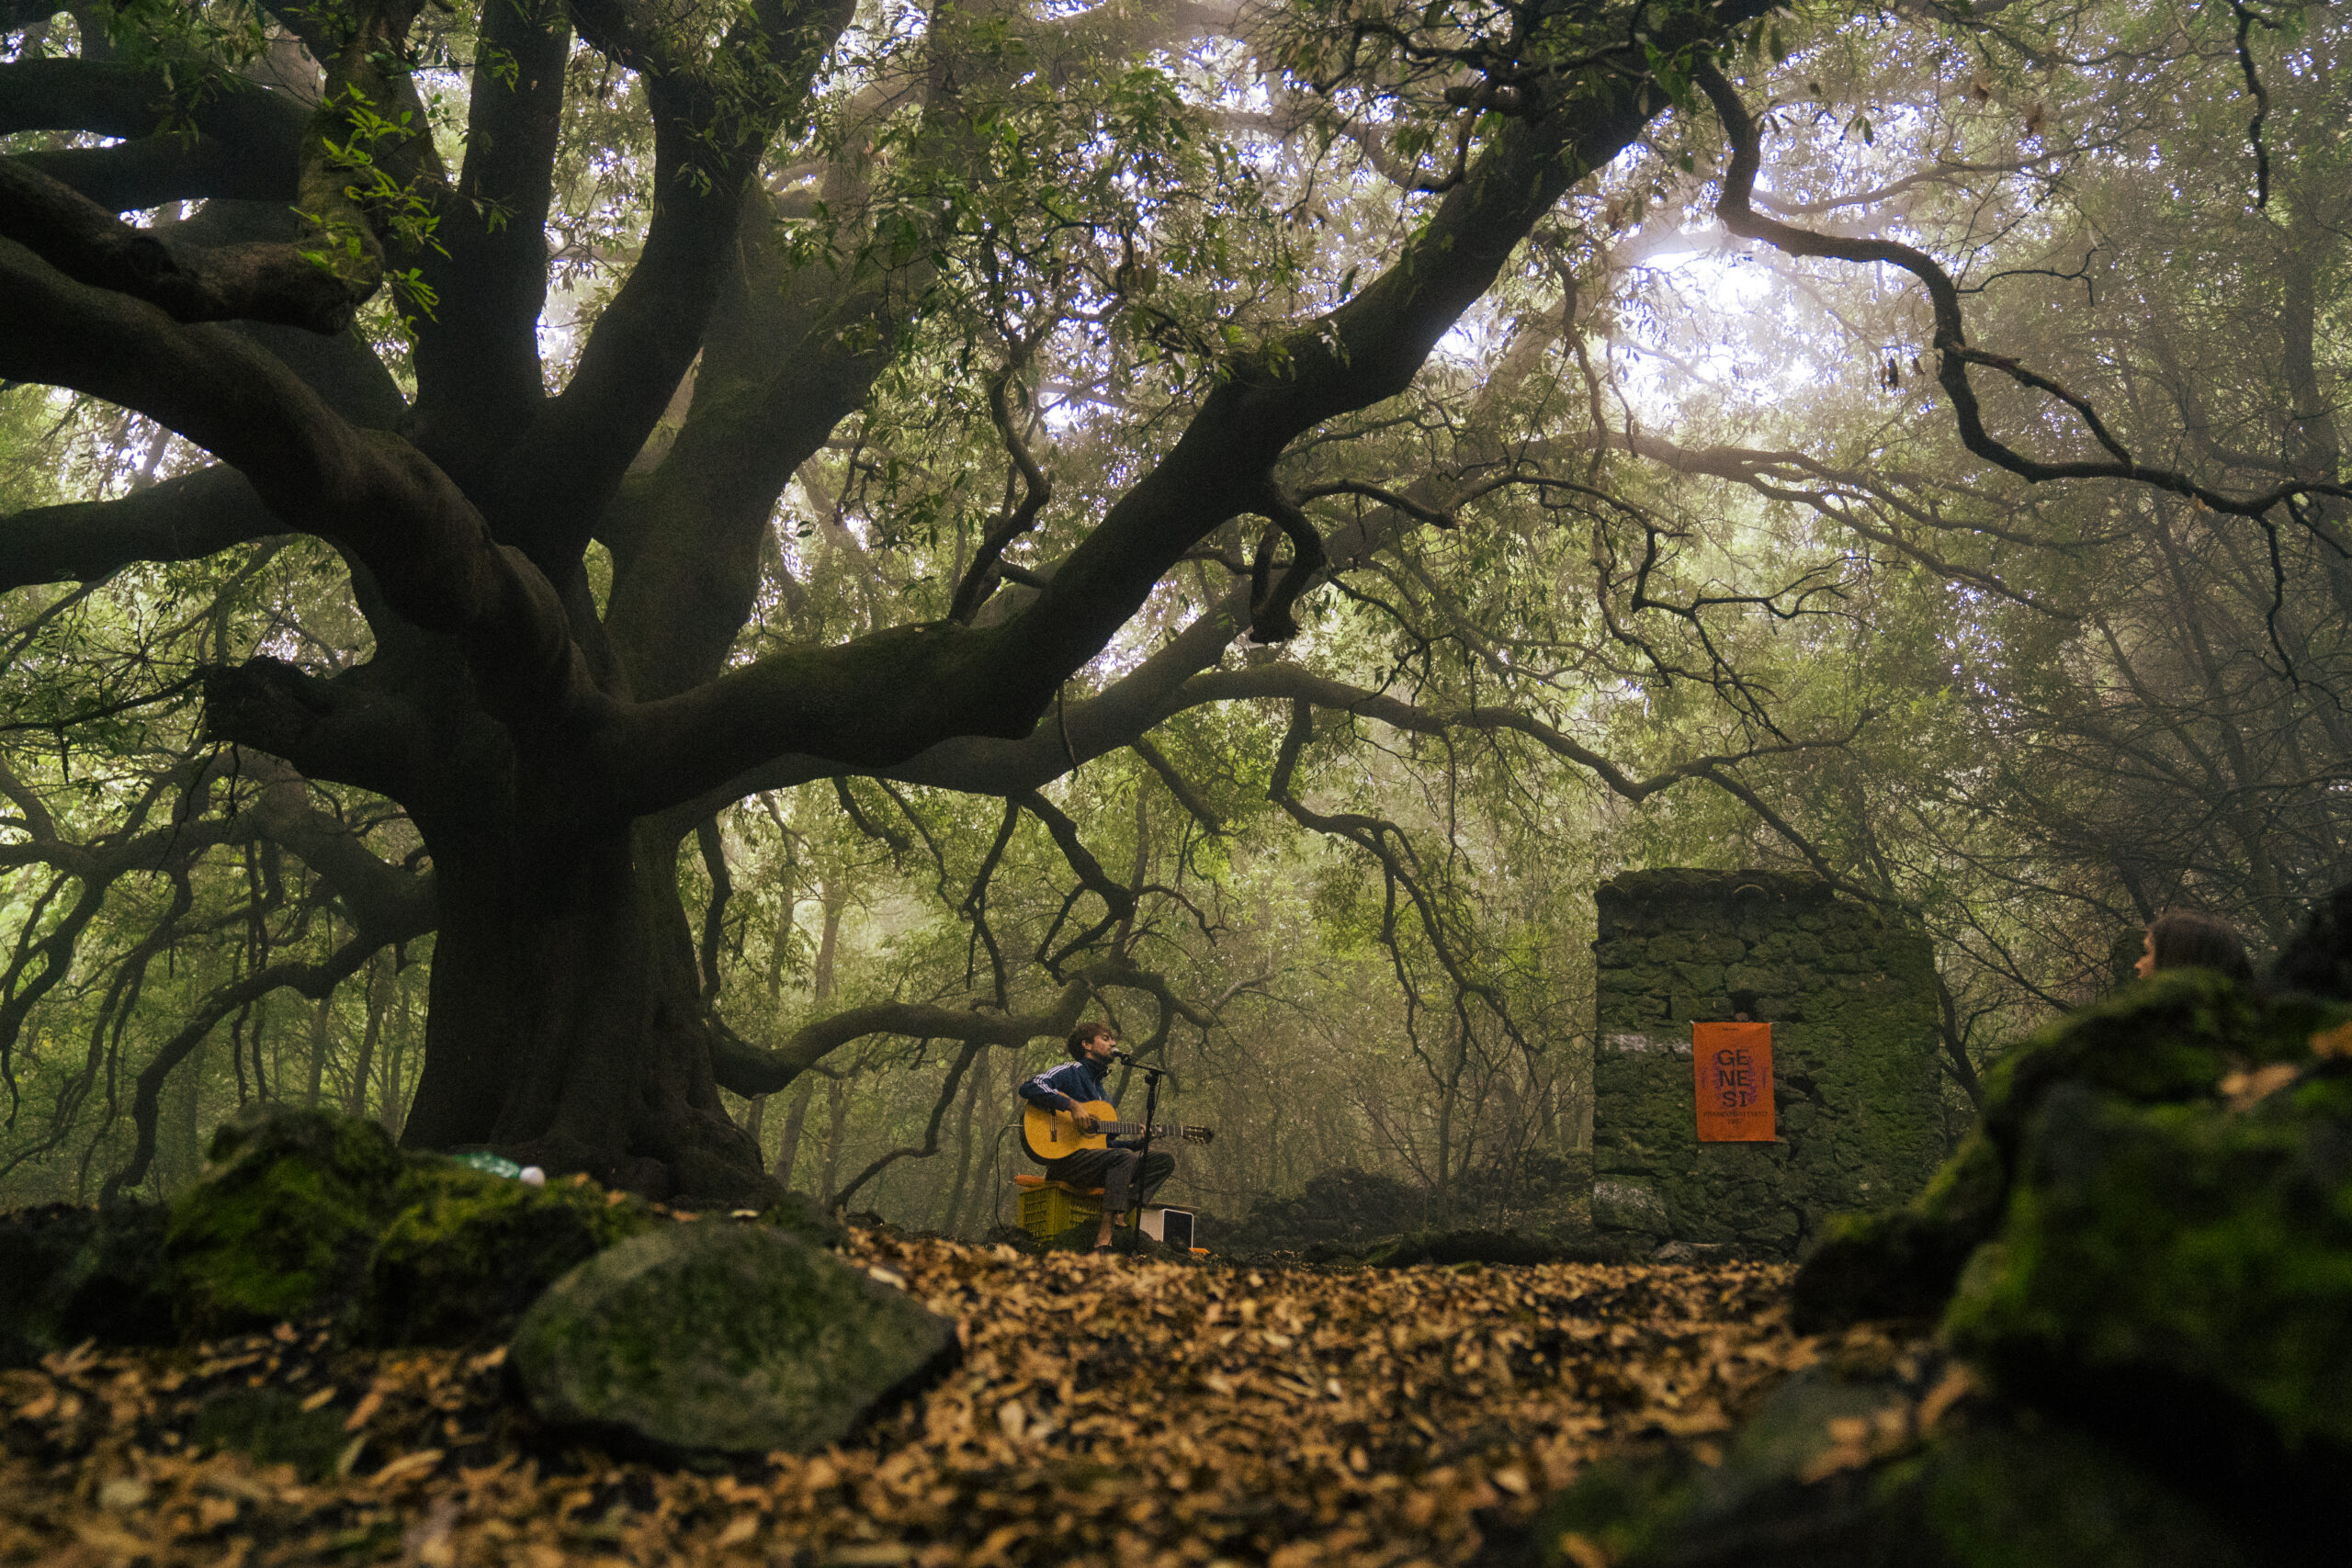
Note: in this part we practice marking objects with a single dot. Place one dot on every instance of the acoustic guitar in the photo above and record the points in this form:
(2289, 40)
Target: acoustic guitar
(1054, 1134)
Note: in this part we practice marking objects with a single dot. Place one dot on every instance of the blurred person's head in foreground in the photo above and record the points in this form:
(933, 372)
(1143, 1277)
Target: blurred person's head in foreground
(2180, 939)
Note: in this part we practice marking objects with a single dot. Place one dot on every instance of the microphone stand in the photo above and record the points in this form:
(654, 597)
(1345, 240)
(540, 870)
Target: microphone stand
(1151, 1077)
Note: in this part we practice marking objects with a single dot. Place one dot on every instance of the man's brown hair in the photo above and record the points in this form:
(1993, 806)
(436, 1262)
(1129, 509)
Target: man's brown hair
(2181, 938)
(1086, 1031)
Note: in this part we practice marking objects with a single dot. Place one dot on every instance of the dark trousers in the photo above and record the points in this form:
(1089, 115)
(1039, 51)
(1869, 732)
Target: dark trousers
(1114, 1170)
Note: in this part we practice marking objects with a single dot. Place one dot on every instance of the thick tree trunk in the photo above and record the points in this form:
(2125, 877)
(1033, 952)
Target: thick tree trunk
(566, 1028)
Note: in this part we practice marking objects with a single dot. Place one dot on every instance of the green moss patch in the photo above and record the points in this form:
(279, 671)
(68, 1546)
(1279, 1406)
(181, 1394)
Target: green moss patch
(283, 1222)
(2183, 1246)
(270, 1426)
(2171, 1040)
(466, 1253)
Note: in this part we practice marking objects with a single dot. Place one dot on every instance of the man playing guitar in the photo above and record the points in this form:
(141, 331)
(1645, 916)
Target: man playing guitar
(1077, 1083)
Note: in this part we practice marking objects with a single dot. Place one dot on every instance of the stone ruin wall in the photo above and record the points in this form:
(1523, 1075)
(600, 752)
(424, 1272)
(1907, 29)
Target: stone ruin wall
(1851, 995)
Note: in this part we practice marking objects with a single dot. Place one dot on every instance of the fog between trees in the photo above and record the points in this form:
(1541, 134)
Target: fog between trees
(684, 609)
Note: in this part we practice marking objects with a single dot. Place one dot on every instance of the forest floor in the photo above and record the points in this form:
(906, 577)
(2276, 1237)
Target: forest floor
(1114, 1411)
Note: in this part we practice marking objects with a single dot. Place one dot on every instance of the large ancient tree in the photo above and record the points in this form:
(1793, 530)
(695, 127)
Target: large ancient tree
(546, 319)
(549, 753)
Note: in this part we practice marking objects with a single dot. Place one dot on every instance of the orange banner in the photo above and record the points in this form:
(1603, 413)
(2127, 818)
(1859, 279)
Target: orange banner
(1733, 1066)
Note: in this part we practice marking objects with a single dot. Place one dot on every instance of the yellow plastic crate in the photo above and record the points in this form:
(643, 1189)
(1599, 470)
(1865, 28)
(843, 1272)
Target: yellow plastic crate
(1047, 1211)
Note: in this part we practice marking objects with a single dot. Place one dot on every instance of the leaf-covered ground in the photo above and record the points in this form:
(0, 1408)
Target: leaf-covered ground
(1106, 1411)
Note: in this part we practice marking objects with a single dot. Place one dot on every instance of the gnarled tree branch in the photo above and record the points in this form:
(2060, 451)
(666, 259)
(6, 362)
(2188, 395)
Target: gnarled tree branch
(85, 242)
(1952, 353)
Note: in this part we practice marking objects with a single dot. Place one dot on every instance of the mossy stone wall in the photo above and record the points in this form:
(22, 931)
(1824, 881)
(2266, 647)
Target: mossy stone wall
(1851, 995)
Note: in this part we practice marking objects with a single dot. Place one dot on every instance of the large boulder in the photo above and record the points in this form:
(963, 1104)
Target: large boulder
(1826, 1475)
(2178, 1280)
(723, 1339)
(302, 1214)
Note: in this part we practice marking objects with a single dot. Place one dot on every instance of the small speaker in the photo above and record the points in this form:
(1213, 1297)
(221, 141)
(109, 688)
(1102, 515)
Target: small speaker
(1170, 1227)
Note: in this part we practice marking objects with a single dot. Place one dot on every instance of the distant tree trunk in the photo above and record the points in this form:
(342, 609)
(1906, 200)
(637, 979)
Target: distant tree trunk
(1449, 1100)
(179, 1146)
(788, 918)
(264, 1076)
(963, 1146)
(833, 897)
(795, 1117)
(393, 1109)
(319, 1021)
(779, 951)
(836, 1126)
(354, 1099)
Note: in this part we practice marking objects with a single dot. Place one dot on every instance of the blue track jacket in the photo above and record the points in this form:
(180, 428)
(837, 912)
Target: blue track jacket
(1068, 1086)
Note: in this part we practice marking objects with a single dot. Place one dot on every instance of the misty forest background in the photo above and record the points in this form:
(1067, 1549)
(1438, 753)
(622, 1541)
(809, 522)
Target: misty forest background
(1747, 603)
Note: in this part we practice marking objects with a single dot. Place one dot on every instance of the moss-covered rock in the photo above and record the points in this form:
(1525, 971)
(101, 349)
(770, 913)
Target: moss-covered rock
(1882, 1457)
(1900, 1263)
(2179, 1279)
(2167, 1039)
(303, 1215)
(69, 1274)
(2004, 1494)
(723, 1339)
(2172, 1039)
(282, 1221)
(465, 1252)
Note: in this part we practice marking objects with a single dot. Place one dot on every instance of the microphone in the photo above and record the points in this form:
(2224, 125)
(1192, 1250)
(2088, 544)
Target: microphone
(1123, 1056)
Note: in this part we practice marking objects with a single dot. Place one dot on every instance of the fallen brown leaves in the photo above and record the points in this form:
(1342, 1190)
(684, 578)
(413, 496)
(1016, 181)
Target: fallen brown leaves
(1105, 1411)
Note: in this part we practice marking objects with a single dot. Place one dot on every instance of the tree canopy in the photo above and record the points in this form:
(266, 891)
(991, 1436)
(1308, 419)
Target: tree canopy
(610, 560)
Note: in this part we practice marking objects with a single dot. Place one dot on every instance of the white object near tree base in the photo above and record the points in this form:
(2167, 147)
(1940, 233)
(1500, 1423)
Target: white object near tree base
(1173, 1227)
(533, 1177)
